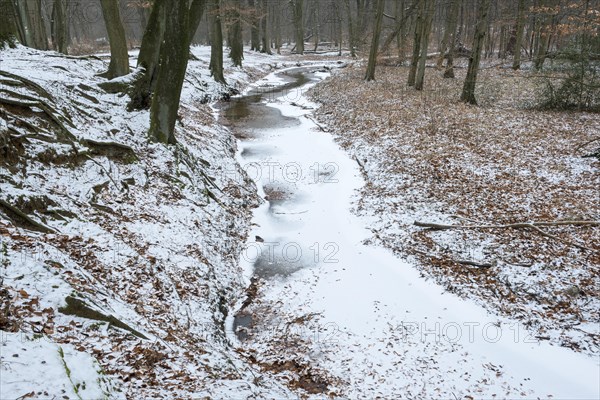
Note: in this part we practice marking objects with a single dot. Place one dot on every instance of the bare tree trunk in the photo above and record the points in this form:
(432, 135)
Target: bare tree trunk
(149, 57)
(430, 9)
(299, 25)
(468, 92)
(173, 64)
(60, 26)
(235, 36)
(119, 58)
(351, 30)
(277, 22)
(8, 26)
(264, 28)
(370, 75)
(412, 74)
(254, 27)
(452, 25)
(316, 24)
(448, 32)
(38, 23)
(216, 40)
(197, 9)
(23, 22)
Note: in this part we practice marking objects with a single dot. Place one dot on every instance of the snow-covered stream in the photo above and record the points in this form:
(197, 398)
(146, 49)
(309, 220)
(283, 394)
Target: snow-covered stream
(384, 329)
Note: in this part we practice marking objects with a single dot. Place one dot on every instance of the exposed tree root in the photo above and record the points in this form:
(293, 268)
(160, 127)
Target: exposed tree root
(25, 221)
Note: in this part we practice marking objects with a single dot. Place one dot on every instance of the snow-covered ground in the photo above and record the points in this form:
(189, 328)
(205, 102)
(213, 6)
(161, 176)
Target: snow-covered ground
(129, 252)
(337, 317)
(124, 276)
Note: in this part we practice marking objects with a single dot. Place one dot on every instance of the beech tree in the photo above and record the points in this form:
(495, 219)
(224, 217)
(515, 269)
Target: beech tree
(235, 39)
(429, 9)
(216, 40)
(8, 27)
(519, 35)
(30, 23)
(171, 74)
(297, 11)
(370, 75)
(468, 92)
(60, 26)
(119, 57)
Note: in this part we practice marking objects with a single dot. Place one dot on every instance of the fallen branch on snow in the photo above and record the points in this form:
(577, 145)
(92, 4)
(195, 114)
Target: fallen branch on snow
(524, 225)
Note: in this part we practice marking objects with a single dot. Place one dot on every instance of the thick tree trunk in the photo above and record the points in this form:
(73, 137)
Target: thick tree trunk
(519, 35)
(299, 25)
(196, 13)
(468, 92)
(452, 26)
(236, 43)
(216, 39)
(38, 22)
(60, 26)
(430, 9)
(173, 64)
(370, 75)
(24, 28)
(264, 28)
(8, 26)
(119, 58)
(149, 57)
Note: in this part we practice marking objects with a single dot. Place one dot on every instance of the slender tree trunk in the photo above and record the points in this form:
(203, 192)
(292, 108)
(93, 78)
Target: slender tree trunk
(351, 30)
(277, 23)
(452, 26)
(468, 92)
(254, 26)
(316, 24)
(412, 74)
(173, 64)
(24, 28)
(370, 75)
(264, 28)
(60, 26)
(543, 38)
(299, 25)
(236, 43)
(216, 39)
(449, 31)
(430, 9)
(119, 58)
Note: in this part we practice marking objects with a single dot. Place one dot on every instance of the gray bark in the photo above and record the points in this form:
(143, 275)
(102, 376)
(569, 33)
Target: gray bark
(216, 39)
(429, 11)
(370, 75)
(60, 26)
(119, 58)
(173, 64)
(468, 92)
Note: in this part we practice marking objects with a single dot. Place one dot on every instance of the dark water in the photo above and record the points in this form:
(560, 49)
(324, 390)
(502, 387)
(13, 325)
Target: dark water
(250, 118)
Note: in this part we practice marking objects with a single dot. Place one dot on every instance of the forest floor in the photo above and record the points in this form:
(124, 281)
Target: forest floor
(119, 258)
(427, 157)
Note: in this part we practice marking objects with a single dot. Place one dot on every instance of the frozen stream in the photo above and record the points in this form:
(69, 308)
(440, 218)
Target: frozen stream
(385, 330)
